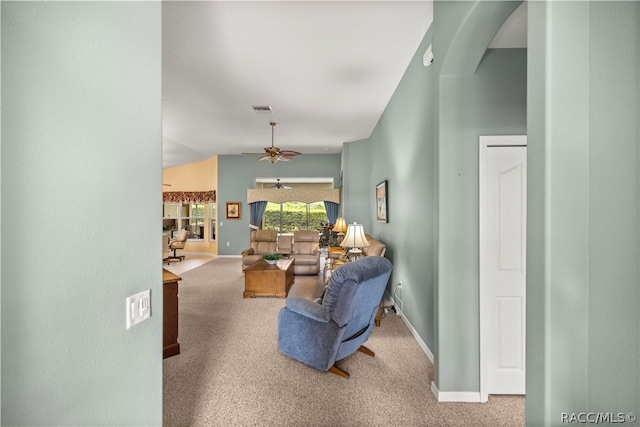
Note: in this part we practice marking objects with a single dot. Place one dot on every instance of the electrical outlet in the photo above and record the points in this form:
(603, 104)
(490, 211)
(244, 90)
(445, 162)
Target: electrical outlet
(227, 243)
(138, 308)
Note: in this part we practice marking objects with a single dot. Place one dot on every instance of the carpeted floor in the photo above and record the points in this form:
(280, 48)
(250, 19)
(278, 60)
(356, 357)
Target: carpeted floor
(231, 373)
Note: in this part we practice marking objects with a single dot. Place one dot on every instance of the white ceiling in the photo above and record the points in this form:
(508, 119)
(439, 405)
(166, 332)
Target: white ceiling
(327, 68)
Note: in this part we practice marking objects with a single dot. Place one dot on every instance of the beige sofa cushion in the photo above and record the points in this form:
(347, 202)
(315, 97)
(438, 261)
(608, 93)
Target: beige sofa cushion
(264, 241)
(306, 252)
(375, 248)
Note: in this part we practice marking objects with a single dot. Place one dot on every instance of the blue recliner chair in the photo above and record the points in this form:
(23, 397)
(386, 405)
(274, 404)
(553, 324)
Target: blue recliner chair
(321, 333)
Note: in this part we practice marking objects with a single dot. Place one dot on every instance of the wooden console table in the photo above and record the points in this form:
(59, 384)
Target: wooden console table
(170, 345)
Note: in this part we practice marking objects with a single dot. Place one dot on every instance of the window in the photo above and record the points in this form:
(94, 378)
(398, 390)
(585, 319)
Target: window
(189, 216)
(291, 216)
(195, 221)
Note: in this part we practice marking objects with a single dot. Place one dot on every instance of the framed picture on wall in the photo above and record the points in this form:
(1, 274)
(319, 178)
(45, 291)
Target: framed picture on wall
(233, 210)
(381, 202)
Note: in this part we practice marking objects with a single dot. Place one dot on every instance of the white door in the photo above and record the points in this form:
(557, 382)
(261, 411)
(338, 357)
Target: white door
(503, 196)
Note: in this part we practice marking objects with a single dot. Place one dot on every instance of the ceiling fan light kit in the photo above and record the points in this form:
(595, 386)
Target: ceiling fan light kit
(275, 154)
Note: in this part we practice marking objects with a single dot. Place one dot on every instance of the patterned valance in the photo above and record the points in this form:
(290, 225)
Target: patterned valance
(304, 195)
(189, 196)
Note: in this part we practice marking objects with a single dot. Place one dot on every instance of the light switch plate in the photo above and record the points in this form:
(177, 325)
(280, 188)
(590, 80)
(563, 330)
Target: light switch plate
(138, 308)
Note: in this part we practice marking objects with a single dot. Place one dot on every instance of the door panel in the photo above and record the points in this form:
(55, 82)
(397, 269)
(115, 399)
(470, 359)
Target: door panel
(504, 261)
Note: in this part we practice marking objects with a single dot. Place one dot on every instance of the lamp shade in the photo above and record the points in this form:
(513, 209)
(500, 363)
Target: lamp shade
(355, 237)
(340, 226)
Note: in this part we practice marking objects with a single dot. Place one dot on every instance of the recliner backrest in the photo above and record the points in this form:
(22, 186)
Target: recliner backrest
(264, 241)
(355, 290)
(305, 242)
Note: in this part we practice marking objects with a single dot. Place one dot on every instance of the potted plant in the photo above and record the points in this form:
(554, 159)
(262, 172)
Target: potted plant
(272, 258)
(326, 234)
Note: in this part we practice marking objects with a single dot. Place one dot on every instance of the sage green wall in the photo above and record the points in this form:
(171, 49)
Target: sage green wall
(426, 146)
(583, 336)
(404, 153)
(237, 173)
(81, 123)
(0, 217)
(480, 93)
(357, 190)
(492, 101)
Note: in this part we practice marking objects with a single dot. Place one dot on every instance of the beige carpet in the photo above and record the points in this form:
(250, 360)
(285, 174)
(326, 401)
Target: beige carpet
(231, 373)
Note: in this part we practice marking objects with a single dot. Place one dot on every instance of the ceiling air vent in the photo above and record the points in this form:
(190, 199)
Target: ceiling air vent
(262, 109)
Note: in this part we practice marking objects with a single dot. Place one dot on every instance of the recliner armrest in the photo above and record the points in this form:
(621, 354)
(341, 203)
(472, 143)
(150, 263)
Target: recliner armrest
(307, 308)
(247, 252)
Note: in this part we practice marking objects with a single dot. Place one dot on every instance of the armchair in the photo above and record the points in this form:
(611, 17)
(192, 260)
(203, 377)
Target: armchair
(306, 252)
(262, 242)
(178, 243)
(321, 333)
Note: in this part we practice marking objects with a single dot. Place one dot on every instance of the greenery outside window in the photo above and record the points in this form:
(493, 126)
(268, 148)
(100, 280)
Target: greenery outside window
(291, 216)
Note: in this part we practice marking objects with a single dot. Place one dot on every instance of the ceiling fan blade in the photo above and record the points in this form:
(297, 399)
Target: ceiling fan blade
(290, 153)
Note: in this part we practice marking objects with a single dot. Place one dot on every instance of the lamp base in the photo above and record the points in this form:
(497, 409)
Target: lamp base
(353, 254)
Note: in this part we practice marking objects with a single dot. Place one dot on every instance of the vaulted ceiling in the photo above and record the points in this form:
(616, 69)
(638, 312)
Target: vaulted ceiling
(327, 69)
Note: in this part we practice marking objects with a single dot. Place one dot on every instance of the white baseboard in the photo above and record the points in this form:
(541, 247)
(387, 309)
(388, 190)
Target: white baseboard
(455, 396)
(388, 300)
(441, 396)
(417, 337)
(229, 256)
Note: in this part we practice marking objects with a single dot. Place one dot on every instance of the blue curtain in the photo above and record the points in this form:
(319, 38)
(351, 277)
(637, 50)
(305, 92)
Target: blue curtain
(256, 210)
(332, 211)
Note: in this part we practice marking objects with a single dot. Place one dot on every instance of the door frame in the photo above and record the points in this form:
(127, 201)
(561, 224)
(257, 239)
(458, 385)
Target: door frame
(487, 141)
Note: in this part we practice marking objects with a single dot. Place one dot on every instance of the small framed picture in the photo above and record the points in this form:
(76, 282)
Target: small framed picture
(233, 210)
(381, 202)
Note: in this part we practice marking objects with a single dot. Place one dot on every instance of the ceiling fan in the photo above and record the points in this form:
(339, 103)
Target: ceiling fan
(279, 185)
(274, 154)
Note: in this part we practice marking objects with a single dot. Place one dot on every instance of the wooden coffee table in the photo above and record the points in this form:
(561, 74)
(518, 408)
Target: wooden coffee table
(262, 279)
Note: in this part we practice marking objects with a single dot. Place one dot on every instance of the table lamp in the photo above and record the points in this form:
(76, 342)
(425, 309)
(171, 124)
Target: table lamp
(354, 240)
(340, 227)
